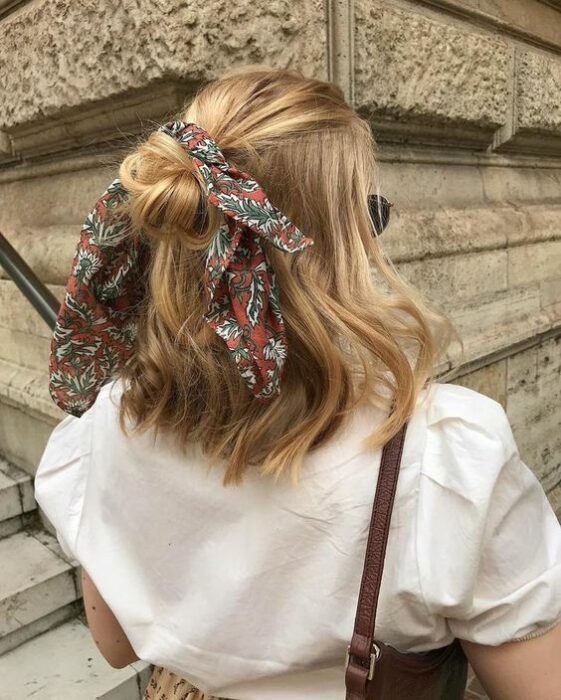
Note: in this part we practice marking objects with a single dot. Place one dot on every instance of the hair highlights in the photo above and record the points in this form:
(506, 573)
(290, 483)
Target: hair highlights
(349, 340)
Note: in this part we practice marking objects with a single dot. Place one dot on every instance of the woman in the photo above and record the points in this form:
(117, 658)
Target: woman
(217, 489)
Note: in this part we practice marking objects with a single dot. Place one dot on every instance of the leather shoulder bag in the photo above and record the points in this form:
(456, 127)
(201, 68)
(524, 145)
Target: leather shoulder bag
(376, 671)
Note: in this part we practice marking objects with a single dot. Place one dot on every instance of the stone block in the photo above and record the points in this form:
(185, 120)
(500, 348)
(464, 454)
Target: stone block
(123, 116)
(23, 436)
(456, 280)
(489, 380)
(533, 400)
(533, 19)
(60, 197)
(34, 582)
(47, 250)
(417, 235)
(5, 147)
(9, 5)
(433, 182)
(528, 264)
(490, 325)
(550, 294)
(27, 389)
(539, 222)
(57, 56)
(420, 79)
(16, 313)
(24, 349)
(522, 185)
(538, 92)
(536, 126)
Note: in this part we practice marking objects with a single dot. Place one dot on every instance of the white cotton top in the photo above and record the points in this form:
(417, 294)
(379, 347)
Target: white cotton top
(250, 592)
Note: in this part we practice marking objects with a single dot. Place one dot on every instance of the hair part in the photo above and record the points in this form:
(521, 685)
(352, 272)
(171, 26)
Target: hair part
(350, 340)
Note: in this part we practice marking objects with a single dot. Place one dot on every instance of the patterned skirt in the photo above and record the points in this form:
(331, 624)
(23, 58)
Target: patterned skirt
(165, 685)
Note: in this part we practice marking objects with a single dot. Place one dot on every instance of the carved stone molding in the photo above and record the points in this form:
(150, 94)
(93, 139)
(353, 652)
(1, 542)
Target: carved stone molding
(535, 122)
(553, 3)
(7, 6)
(535, 21)
(119, 118)
(6, 150)
(93, 50)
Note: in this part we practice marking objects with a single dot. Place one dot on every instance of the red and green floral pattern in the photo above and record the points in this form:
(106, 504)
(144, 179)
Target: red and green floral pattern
(244, 305)
(96, 325)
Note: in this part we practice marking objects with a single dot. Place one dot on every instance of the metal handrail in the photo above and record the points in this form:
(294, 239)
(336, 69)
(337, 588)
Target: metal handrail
(41, 298)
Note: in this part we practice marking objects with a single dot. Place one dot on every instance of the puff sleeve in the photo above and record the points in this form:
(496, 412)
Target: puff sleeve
(60, 480)
(489, 543)
(96, 325)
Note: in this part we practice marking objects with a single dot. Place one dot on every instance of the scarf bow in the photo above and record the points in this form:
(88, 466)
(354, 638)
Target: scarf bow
(244, 305)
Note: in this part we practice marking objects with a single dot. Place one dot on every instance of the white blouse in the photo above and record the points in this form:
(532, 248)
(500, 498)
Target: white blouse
(250, 592)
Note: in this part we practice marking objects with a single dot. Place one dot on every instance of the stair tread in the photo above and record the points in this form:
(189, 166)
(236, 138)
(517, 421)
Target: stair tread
(16, 491)
(13, 473)
(65, 663)
(26, 561)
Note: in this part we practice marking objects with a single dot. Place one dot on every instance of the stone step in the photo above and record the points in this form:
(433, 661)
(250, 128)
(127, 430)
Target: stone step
(17, 501)
(65, 664)
(39, 587)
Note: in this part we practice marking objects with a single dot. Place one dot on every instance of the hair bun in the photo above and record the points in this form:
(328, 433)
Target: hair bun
(167, 195)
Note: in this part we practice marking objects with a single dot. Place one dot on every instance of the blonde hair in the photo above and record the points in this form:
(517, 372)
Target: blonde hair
(350, 340)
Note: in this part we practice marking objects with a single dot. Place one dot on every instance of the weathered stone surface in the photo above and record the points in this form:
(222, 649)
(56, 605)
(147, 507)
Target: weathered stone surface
(124, 116)
(533, 400)
(538, 92)
(48, 250)
(522, 185)
(17, 313)
(6, 150)
(65, 662)
(430, 183)
(550, 296)
(491, 324)
(535, 262)
(56, 56)
(24, 432)
(24, 350)
(24, 336)
(490, 380)
(9, 5)
(526, 18)
(535, 125)
(58, 199)
(417, 235)
(410, 69)
(456, 279)
(5, 145)
(27, 389)
(538, 223)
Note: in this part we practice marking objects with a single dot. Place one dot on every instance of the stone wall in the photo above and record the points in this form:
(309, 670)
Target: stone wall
(464, 97)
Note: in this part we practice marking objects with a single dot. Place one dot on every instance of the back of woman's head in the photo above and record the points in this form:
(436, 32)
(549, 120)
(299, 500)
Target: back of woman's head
(348, 341)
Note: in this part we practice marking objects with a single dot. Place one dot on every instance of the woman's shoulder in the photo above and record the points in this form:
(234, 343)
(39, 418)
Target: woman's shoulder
(478, 500)
(468, 439)
(452, 402)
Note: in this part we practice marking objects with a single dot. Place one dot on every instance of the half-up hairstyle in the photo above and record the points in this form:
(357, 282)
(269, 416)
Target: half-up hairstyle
(351, 339)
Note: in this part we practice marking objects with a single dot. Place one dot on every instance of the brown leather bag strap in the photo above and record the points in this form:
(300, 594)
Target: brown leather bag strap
(360, 657)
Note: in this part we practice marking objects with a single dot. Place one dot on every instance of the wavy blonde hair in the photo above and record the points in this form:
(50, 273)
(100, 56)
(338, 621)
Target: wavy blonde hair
(351, 340)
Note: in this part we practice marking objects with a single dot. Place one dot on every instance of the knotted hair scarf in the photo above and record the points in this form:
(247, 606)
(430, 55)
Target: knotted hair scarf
(244, 305)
